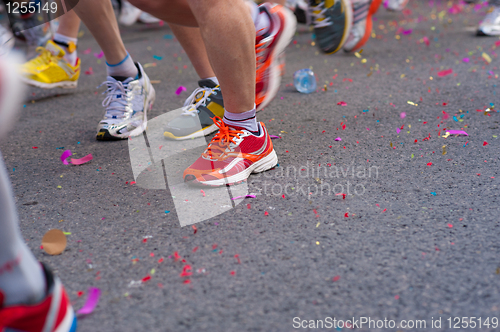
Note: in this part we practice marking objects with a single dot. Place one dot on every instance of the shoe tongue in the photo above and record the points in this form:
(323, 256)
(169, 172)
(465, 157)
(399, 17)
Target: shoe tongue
(123, 79)
(207, 83)
(54, 49)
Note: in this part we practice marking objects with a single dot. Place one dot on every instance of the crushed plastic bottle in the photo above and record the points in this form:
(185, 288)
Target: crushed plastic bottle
(304, 80)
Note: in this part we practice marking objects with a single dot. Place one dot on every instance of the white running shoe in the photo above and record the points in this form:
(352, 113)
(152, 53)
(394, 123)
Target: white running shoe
(127, 103)
(128, 14)
(395, 5)
(148, 18)
(490, 26)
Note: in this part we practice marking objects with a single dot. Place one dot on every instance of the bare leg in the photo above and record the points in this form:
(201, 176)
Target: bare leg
(99, 17)
(192, 43)
(230, 43)
(69, 24)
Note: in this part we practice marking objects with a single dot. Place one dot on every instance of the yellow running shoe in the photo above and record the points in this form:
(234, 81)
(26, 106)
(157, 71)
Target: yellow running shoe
(50, 70)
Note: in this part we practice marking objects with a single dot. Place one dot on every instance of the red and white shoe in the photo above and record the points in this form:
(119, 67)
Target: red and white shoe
(268, 48)
(232, 155)
(52, 314)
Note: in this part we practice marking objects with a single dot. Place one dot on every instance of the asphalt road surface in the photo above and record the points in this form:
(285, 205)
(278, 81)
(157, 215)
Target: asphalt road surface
(371, 212)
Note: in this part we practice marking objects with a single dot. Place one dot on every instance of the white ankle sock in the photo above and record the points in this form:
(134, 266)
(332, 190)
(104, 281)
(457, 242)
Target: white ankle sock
(245, 120)
(22, 280)
(125, 68)
(70, 57)
(260, 19)
(213, 79)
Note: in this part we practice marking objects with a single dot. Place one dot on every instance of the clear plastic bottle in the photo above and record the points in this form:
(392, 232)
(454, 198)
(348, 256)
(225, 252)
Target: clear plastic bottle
(304, 80)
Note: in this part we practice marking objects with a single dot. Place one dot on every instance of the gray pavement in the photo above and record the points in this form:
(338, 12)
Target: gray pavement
(416, 237)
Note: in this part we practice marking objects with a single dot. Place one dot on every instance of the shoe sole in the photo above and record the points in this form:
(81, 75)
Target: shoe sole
(200, 133)
(347, 26)
(264, 164)
(64, 85)
(284, 40)
(369, 24)
(104, 135)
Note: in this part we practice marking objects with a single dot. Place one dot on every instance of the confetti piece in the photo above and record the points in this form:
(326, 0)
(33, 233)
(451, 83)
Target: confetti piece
(444, 150)
(274, 137)
(151, 64)
(92, 301)
(180, 90)
(450, 225)
(485, 143)
(54, 242)
(407, 32)
(426, 40)
(246, 196)
(486, 57)
(443, 73)
(433, 193)
(157, 57)
(90, 71)
(465, 60)
(457, 132)
(87, 51)
(186, 271)
(338, 139)
(168, 37)
(83, 160)
(342, 103)
(402, 115)
(429, 164)
(336, 278)
(146, 279)
(194, 229)
(99, 55)
(65, 155)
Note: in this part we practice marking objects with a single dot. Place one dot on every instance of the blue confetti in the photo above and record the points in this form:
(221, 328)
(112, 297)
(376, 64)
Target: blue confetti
(166, 211)
(168, 37)
(455, 119)
(157, 57)
(432, 192)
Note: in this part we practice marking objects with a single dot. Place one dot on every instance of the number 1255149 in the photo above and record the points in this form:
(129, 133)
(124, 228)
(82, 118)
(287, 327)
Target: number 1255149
(31, 7)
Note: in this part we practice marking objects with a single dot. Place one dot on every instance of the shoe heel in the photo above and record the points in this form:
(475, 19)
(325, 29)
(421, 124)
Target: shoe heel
(266, 163)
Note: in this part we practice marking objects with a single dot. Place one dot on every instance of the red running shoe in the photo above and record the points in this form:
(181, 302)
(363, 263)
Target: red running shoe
(232, 155)
(52, 314)
(268, 49)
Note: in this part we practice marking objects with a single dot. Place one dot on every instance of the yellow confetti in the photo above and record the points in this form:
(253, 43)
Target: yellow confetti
(59, 187)
(152, 271)
(357, 55)
(402, 75)
(67, 233)
(317, 242)
(486, 57)
(444, 150)
(317, 225)
(446, 135)
(61, 220)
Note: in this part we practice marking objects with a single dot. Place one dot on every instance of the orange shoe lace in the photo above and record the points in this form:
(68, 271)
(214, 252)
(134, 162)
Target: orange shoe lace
(221, 140)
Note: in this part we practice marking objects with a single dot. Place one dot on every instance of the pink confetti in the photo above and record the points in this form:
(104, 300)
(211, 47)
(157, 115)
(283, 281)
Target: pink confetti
(338, 139)
(87, 51)
(274, 137)
(402, 115)
(180, 90)
(99, 55)
(83, 160)
(398, 130)
(407, 32)
(445, 115)
(65, 155)
(465, 59)
(443, 73)
(92, 301)
(457, 132)
(90, 71)
(342, 103)
(426, 41)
